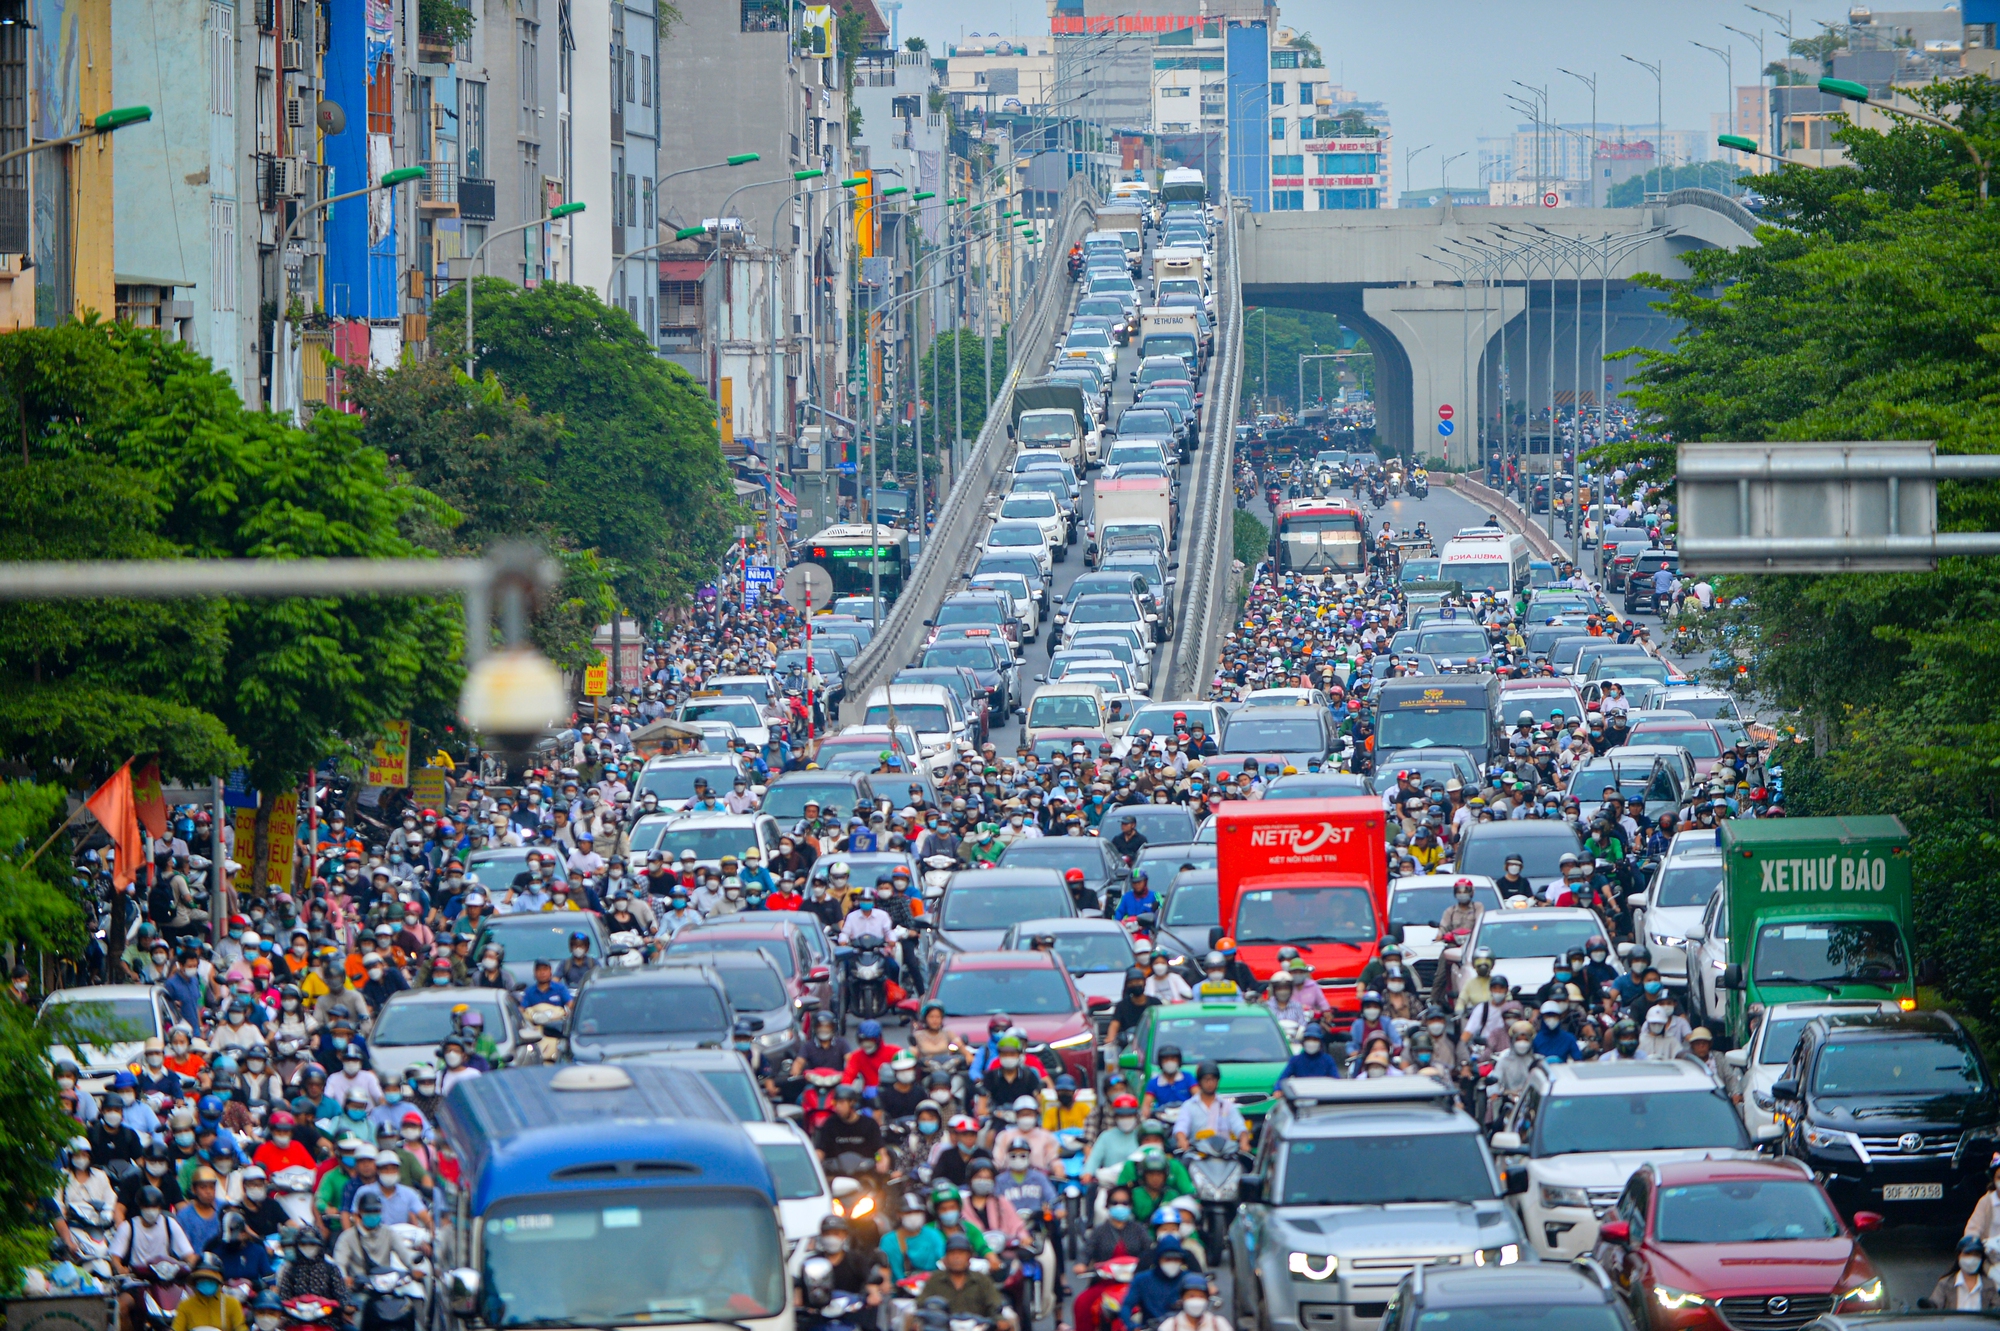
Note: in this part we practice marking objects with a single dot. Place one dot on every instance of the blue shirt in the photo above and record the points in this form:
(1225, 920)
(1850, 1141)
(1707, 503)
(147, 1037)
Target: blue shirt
(1132, 905)
(557, 993)
(1170, 1094)
(1557, 1044)
(1321, 1064)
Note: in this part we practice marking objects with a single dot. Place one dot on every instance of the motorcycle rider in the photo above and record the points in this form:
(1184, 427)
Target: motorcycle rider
(207, 1303)
(1195, 1313)
(1554, 1041)
(1010, 1079)
(1170, 1087)
(1625, 1044)
(369, 1243)
(1312, 1060)
(82, 1184)
(1155, 1291)
(1026, 1130)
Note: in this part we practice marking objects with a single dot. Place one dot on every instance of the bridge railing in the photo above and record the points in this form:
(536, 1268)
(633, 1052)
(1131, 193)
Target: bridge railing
(948, 550)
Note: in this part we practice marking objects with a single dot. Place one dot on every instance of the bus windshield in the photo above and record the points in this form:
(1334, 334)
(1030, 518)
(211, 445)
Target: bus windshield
(1304, 524)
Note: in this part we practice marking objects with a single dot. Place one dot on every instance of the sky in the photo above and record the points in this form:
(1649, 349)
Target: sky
(1443, 67)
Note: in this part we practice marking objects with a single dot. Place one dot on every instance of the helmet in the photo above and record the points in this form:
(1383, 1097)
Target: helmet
(1551, 1008)
(942, 1193)
(869, 1030)
(1122, 1103)
(1626, 1029)
(1639, 956)
(1166, 1052)
(1208, 1068)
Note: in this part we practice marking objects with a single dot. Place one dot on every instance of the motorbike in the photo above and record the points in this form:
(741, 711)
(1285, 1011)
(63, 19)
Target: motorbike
(90, 1225)
(867, 980)
(310, 1311)
(1215, 1168)
(1107, 1292)
(1420, 486)
(158, 1292)
(861, 1195)
(954, 1064)
(391, 1300)
(627, 951)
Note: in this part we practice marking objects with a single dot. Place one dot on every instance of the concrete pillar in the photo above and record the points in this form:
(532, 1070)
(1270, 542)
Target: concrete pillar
(1429, 325)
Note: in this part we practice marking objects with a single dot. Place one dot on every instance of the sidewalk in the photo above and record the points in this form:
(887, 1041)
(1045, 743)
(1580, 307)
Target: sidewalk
(1510, 515)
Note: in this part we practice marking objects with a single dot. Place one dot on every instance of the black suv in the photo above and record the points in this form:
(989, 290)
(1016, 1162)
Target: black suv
(1639, 579)
(1895, 1111)
(1530, 1296)
(620, 1013)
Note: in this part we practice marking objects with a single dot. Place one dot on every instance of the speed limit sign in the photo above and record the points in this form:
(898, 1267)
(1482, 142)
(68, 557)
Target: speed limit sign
(1551, 199)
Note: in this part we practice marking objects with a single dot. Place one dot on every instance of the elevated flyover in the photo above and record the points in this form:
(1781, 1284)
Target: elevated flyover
(1448, 296)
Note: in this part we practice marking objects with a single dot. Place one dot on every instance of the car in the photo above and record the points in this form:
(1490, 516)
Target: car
(1892, 1111)
(1417, 901)
(709, 835)
(990, 610)
(831, 684)
(932, 711)
(1735, 1243)
(978, 906)
(758, 991)
(1108, 582)
(860, 749)
(1762, 1061)
(1137, 649)
(1582, 1128)
(1430, 765)
(1095, 610)
(783, 939)
(1033, 990)
(1541, 844)
(122, 1016)
(671, 781)
(1096, 953)
(1673, 903)
(739, 710)
(1167, 823)
(1357, 1183)
(1703, 740)
(804, 1196)
(728, 1076)
(1190, 913)
(622, 1013)
(991, 662)
(837, 793)
(1317, 785)
(1528, 1296)
(1051, 741)
(540, 936)
(1638, 581)
(1104, 873)
(413, 1023)
(1539, 698)
(963, 685)
(864, 867)
(1654, 779)
(1287, 736)
(1020, 592)
(1635, 680)
(717, 736)
(1242, 1037)
(1526, 944)
(1026, 535)
(1709, 704)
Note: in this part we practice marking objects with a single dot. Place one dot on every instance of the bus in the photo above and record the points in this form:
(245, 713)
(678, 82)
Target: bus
(1182, 185)
(850, 553)
(1319, 536)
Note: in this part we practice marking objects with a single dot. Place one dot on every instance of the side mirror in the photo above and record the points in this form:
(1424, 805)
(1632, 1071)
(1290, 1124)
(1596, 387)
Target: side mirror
(1250, 1188)
(1625, 949)
(1514, 1182)
(1506, 1141)
(1732, 976)
(1635, 899)
(1867, 1222)
(1737, 1058)
(1697, 934)
(461, 1288)
(1215, 934)
(816, 1274)
(1785, 1088)
(790, 1113)
(1615, 1231)
(930, 623)
(1396, 932)
(1100, 1003)
(1129, 1059)
(908, 1005)
(555, 1030)
(844, 1187)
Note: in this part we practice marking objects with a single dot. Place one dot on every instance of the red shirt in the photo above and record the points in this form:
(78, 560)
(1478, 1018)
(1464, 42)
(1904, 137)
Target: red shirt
(866, 1068)
(273, 1157)
(784, 901)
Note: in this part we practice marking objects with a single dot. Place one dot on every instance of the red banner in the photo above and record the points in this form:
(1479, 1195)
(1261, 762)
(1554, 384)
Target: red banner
(1078, 25)
(148, 801)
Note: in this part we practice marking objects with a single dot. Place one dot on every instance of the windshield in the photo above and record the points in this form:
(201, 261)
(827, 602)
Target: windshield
(1038, 504)
(1060, 853)
(1306, 915)
(1744, 1211)
(1427, 905)
(1522, 1317)
(655, 1256)
(737, 1090)
(787, 799)
(427, 1023)
(1160, 720)
(1226, 1037)
(1169, 344)
(1453, 642)
(1086, 954)
(1850, 952)
(970, 907)
(1719, 707)
(1419, 570)
(1540, 855)
(1145, 422)
(707, 842)
(736, 711)
(1311, 524)
(1044, 427)
(1534, 937)
(1432, 727)
(1012, 534)
(1699, 741)
(1158, 822)
(1194, 905)
(1026, 566)
(1780, 1039)
(1935, 1065)
(1638, 1121)
(924, 718)
(751, 988)
(1064, 709)
(1374, 1170)
(1272, 734)
(618, 1010)
(1140, 452)
(976, 655)
(677, 782)
(1689, 884)
(1632, 778)
(792, 1170)
(981, 611)
(1035, 990)
(1480, 577)
(111, 1020)
(704, 940)
(1543, 703)
(1091, 611)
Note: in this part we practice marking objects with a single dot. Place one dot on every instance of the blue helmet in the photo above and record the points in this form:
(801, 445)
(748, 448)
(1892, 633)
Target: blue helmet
(869, 1030)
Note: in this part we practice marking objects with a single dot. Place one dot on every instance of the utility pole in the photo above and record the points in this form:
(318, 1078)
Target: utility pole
(1590, 83)
(1659, 114)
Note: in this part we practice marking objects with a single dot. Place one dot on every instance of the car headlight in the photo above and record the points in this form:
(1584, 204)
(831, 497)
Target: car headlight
(1072, 1042)
(1868, 1292)
(1676, 1299)
(1313, 1266)
(1823, 1139)
(1555, 1196)
(1667, 940)
(774, 1039)
(1505, 1255)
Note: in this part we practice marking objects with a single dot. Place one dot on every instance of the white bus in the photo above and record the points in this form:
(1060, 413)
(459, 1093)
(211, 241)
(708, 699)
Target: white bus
(1182, 185)
(1485, 559)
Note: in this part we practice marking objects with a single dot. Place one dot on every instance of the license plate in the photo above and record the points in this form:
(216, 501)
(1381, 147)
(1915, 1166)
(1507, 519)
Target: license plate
(1913, 1192)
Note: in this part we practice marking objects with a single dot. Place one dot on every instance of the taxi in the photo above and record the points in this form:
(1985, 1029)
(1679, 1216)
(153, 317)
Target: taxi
(1244, 1039)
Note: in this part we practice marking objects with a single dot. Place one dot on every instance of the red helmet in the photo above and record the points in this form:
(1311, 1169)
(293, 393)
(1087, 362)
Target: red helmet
(1073, 875)
(1124, 1102)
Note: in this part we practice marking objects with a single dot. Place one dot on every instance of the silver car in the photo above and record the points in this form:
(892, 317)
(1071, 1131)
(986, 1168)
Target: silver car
(412, 1024)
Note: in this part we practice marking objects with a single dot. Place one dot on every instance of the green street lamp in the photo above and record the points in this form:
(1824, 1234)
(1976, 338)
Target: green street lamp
(1738, 143)
(689, 232)
(953, 203)
(739, 159)
(921, 195)
(814, 174)
(115, 119)
(401, 175)
(854, 182)
(556, 213)
(1850, 91)
(562, 209)
(894, 190)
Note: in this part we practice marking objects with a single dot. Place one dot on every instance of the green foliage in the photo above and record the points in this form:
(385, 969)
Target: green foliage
(35, 909)
(1719, 176)
(1276, 338)
(1876, 316)
(632, 464)
(915, 44)
(446, 19)
(962, 352)
(1820, 47)
(33, 1130)
(1250, 538)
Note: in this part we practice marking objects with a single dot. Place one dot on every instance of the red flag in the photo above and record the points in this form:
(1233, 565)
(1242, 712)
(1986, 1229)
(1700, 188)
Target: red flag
(150, 801)
(113, 806)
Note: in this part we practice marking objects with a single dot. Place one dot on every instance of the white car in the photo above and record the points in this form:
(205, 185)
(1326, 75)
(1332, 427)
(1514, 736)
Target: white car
(804, 1196)
(739, 710)
(1704, 958)
(129, 1014)
(1020, 593)
(1418, 901)
(1039, 507)
(1284, 698)
(1015, 538)
(1673, 903)
(1764, 1059)
(1582, 1129)
(1528, 942)
(1084, 635)
(1090, 344)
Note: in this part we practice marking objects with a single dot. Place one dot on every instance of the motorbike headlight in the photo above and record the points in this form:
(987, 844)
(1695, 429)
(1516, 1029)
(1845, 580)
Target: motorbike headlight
(1505, 1255)
(865, 1206)
(1553, 1196)
(1072, 1042)
(1677, 1299)
(1866, 1294)
(1313, 1266)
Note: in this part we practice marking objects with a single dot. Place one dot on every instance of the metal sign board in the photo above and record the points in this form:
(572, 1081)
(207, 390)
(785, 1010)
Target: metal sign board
(1807, 507)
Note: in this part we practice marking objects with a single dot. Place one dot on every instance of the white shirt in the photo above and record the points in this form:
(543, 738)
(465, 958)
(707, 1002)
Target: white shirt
(138, 1245)
(1194, 1116)
(867, 922)
(1966, 1289)
(1168, 988)
(739, 801)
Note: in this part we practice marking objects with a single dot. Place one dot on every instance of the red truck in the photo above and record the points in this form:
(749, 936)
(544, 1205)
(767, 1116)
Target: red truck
(1311, 873)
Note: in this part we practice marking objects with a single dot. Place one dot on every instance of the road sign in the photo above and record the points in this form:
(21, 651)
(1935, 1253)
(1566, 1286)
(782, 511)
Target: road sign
(597, 679)
(1445, 428)
(760, 573)
(1444, 412)
(1809, 507)
(808, 580)
(1551, 199)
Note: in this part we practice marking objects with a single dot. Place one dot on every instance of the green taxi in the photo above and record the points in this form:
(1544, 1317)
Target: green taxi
(1243, 1038)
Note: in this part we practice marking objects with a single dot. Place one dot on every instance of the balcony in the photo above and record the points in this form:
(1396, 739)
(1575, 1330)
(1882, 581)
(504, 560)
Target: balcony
(475, 199)
(764, 16)
(437, 192)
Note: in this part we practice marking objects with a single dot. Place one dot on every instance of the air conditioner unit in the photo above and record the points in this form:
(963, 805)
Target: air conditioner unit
(288, 176)
(296, 115)
(294, 54)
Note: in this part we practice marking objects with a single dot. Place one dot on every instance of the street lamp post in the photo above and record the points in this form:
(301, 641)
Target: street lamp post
(1590, 83)
(1444, 173)
(1410, 155)
(110, 121)
(389, 180)
(1727, 55)
(1659, 113)
(1848, 90)
(556, 213)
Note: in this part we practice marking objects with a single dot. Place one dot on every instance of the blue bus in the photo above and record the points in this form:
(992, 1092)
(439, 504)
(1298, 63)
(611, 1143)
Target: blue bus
(609, 1195)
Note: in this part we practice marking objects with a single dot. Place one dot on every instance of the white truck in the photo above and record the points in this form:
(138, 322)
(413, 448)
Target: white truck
(1141, 505)
(1126, 220)
(1055, 416)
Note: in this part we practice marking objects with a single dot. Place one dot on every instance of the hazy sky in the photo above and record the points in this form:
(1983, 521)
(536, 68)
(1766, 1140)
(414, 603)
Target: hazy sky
(1443, 67)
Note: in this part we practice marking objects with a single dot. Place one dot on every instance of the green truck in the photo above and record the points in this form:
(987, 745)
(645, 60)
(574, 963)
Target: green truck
(1815, 908)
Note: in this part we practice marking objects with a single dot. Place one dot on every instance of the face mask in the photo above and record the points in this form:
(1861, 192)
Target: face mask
(113, 1117)
(1523, 1046)
(905, 1076)
(1170, 1068)
(1159, 968)
(157, 1168)
(1195, 1306)
(1371, 1013)
(207, 1288)
(1171, 1269)
(412, 1133)
(928, 1127)
(1653, 986)
(150, 1216)
(1598, 957)
(1127, 1123)
(357, 1112)
(155, 1060)
(340, 1042)
(1562, 976)
(256, 1194)
(948, 1218)
(390, 1178)
(1010, 1061)
(352, 1065)
(282, 1138)
(1026, 1122)
(1970, 1263)
(489, 963)
(454, 1059)
(371, 1221)
(1310, 1046)
(308, 1249)
(291, 1004)
(1119, 1212)
(1551, 1022)
(982, 1187)
(184, 1140)
(1395, 986)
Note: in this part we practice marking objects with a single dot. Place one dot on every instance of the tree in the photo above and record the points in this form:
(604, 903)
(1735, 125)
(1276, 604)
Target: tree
(637, 474)
(969, 358)
(1719, 176)
(1272, 351)
(1249, 538)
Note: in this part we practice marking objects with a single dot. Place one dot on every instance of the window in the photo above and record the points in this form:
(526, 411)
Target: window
(1305, 94)
(632, 202)
(531, 181)
(1346, 164)
(617, 200)
(1277, 127)
(1292, 165)
(645, 80)
(527, 64)
(221, 59)
(649, 316)
(631, 73)
(1277, 94)
(1288, 200)
(1284, 60)
(646, 201)
(267, 128)
(1176, 92)
(472, 128)
(222, 249)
